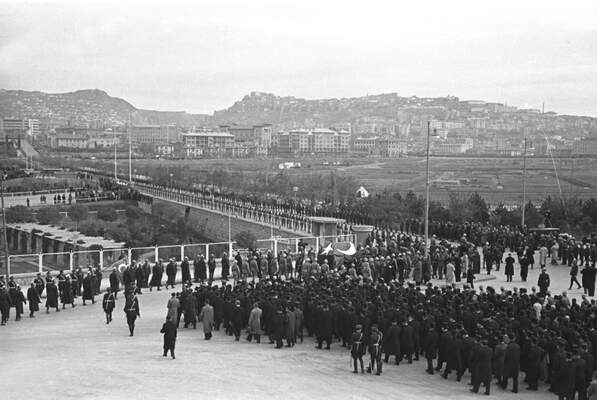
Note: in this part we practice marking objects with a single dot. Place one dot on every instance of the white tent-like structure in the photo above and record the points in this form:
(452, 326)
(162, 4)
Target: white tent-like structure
(362, 192)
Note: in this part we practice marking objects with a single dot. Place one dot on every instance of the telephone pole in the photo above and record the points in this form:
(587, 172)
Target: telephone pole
(524, 181)
(3, 177)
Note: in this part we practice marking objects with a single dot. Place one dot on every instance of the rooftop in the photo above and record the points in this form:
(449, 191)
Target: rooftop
(66, 236)
(208, 134)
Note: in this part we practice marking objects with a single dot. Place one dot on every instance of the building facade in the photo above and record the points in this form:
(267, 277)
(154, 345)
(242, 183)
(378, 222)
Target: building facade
(154, 134)
(314, 141)
(208, 144)
(19, 126)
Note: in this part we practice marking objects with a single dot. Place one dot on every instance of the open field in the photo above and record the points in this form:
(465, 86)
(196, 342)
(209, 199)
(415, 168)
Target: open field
(499, 180)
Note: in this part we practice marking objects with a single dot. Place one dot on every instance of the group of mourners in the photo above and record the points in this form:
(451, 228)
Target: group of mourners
(380, 304)
(61, 289)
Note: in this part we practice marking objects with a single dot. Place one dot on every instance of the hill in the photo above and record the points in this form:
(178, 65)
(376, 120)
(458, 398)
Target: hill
(85, 107)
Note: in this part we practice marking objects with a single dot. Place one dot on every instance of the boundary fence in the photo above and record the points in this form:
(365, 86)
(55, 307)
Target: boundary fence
(108, 258)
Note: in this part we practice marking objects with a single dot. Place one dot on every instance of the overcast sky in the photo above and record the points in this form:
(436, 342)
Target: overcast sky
(202, 57)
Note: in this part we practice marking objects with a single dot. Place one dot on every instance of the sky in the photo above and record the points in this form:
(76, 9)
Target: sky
(203, 56)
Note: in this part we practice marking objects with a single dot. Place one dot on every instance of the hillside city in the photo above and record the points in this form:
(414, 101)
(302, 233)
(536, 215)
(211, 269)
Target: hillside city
(262, 124)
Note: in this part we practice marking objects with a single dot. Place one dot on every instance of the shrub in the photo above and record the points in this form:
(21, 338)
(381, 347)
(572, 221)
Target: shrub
(107, 214)
(48, 215)
(19, 214)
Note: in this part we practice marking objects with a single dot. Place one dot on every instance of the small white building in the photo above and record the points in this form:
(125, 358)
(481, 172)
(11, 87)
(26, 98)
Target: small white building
(362, 192)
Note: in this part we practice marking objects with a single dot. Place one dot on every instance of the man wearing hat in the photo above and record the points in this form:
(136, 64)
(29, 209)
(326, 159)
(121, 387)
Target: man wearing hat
(108, 304)
(207, 318)
(169, 331)
(543, 282)
(357, 348)
(33, 299)
(171, 271)
(39, 284)
(185, 268)
(51, 296)
(375, 342)
(4, 305)
(236, 320)
(18, 300)
(156, 275)
(131, 308)
(481, 367)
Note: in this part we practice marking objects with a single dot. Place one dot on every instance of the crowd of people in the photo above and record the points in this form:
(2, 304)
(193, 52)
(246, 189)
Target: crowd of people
(62, 289)
(486, 334)
(381, 302)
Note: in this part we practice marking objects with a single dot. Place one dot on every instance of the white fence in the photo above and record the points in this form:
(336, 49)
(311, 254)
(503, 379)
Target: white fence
(291, 245)
(26, 264)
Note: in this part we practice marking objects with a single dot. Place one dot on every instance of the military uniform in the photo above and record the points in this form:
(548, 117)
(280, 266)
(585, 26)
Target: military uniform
(357, 348)
(375, 348)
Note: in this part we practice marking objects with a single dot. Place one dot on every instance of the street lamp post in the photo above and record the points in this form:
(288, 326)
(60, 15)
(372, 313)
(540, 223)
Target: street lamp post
(3, 177)
(524, 181)
(115, 156)
(427, 194)
(130, 155)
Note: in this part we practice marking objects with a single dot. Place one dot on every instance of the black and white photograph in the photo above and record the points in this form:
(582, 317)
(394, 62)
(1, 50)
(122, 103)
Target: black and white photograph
(284, 199)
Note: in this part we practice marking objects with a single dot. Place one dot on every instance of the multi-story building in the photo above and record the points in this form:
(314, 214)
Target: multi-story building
(478, 123)
(19, 126)
(154, 134)
(454, 146)
(366, 145)
(250, 140)
(85, 138)
(388, 146)
(585, 147)
(66, 141)
(314, 141)
(207, 143)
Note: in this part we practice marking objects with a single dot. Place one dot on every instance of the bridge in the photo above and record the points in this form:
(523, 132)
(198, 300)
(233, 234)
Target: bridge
(235, 215)
(274, 228)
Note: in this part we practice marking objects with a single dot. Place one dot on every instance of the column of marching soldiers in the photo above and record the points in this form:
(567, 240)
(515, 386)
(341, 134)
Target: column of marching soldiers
(369, 304)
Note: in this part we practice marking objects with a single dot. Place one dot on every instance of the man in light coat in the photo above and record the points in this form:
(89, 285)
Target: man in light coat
(207, 318)
(173, 306)
(255, 323)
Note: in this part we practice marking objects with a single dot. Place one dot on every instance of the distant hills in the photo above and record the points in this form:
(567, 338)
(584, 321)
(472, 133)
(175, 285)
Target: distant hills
(86, 107)
(95, 108)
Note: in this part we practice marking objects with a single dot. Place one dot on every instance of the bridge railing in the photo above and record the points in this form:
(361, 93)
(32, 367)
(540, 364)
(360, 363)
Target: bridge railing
(108, 258)
(37, 192)
(291, 245)
(277, 221)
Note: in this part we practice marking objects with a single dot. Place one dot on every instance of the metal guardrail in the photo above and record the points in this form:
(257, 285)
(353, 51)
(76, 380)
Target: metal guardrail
(278, 244)
(272, 220)
(37, 192)
(109, 257)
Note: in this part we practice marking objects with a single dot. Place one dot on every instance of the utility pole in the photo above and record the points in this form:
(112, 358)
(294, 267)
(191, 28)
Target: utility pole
(427, 195)
(115, 155)
(524, 181)
(3, 177)
(130, 153)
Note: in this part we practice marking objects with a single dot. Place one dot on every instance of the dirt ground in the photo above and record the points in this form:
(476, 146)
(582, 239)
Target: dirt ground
(74, 354)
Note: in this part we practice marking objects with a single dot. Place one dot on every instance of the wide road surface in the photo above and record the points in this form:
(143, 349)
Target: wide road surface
(74, 354)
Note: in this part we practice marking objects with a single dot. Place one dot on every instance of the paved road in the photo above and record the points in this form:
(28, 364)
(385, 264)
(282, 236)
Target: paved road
(74, 354)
